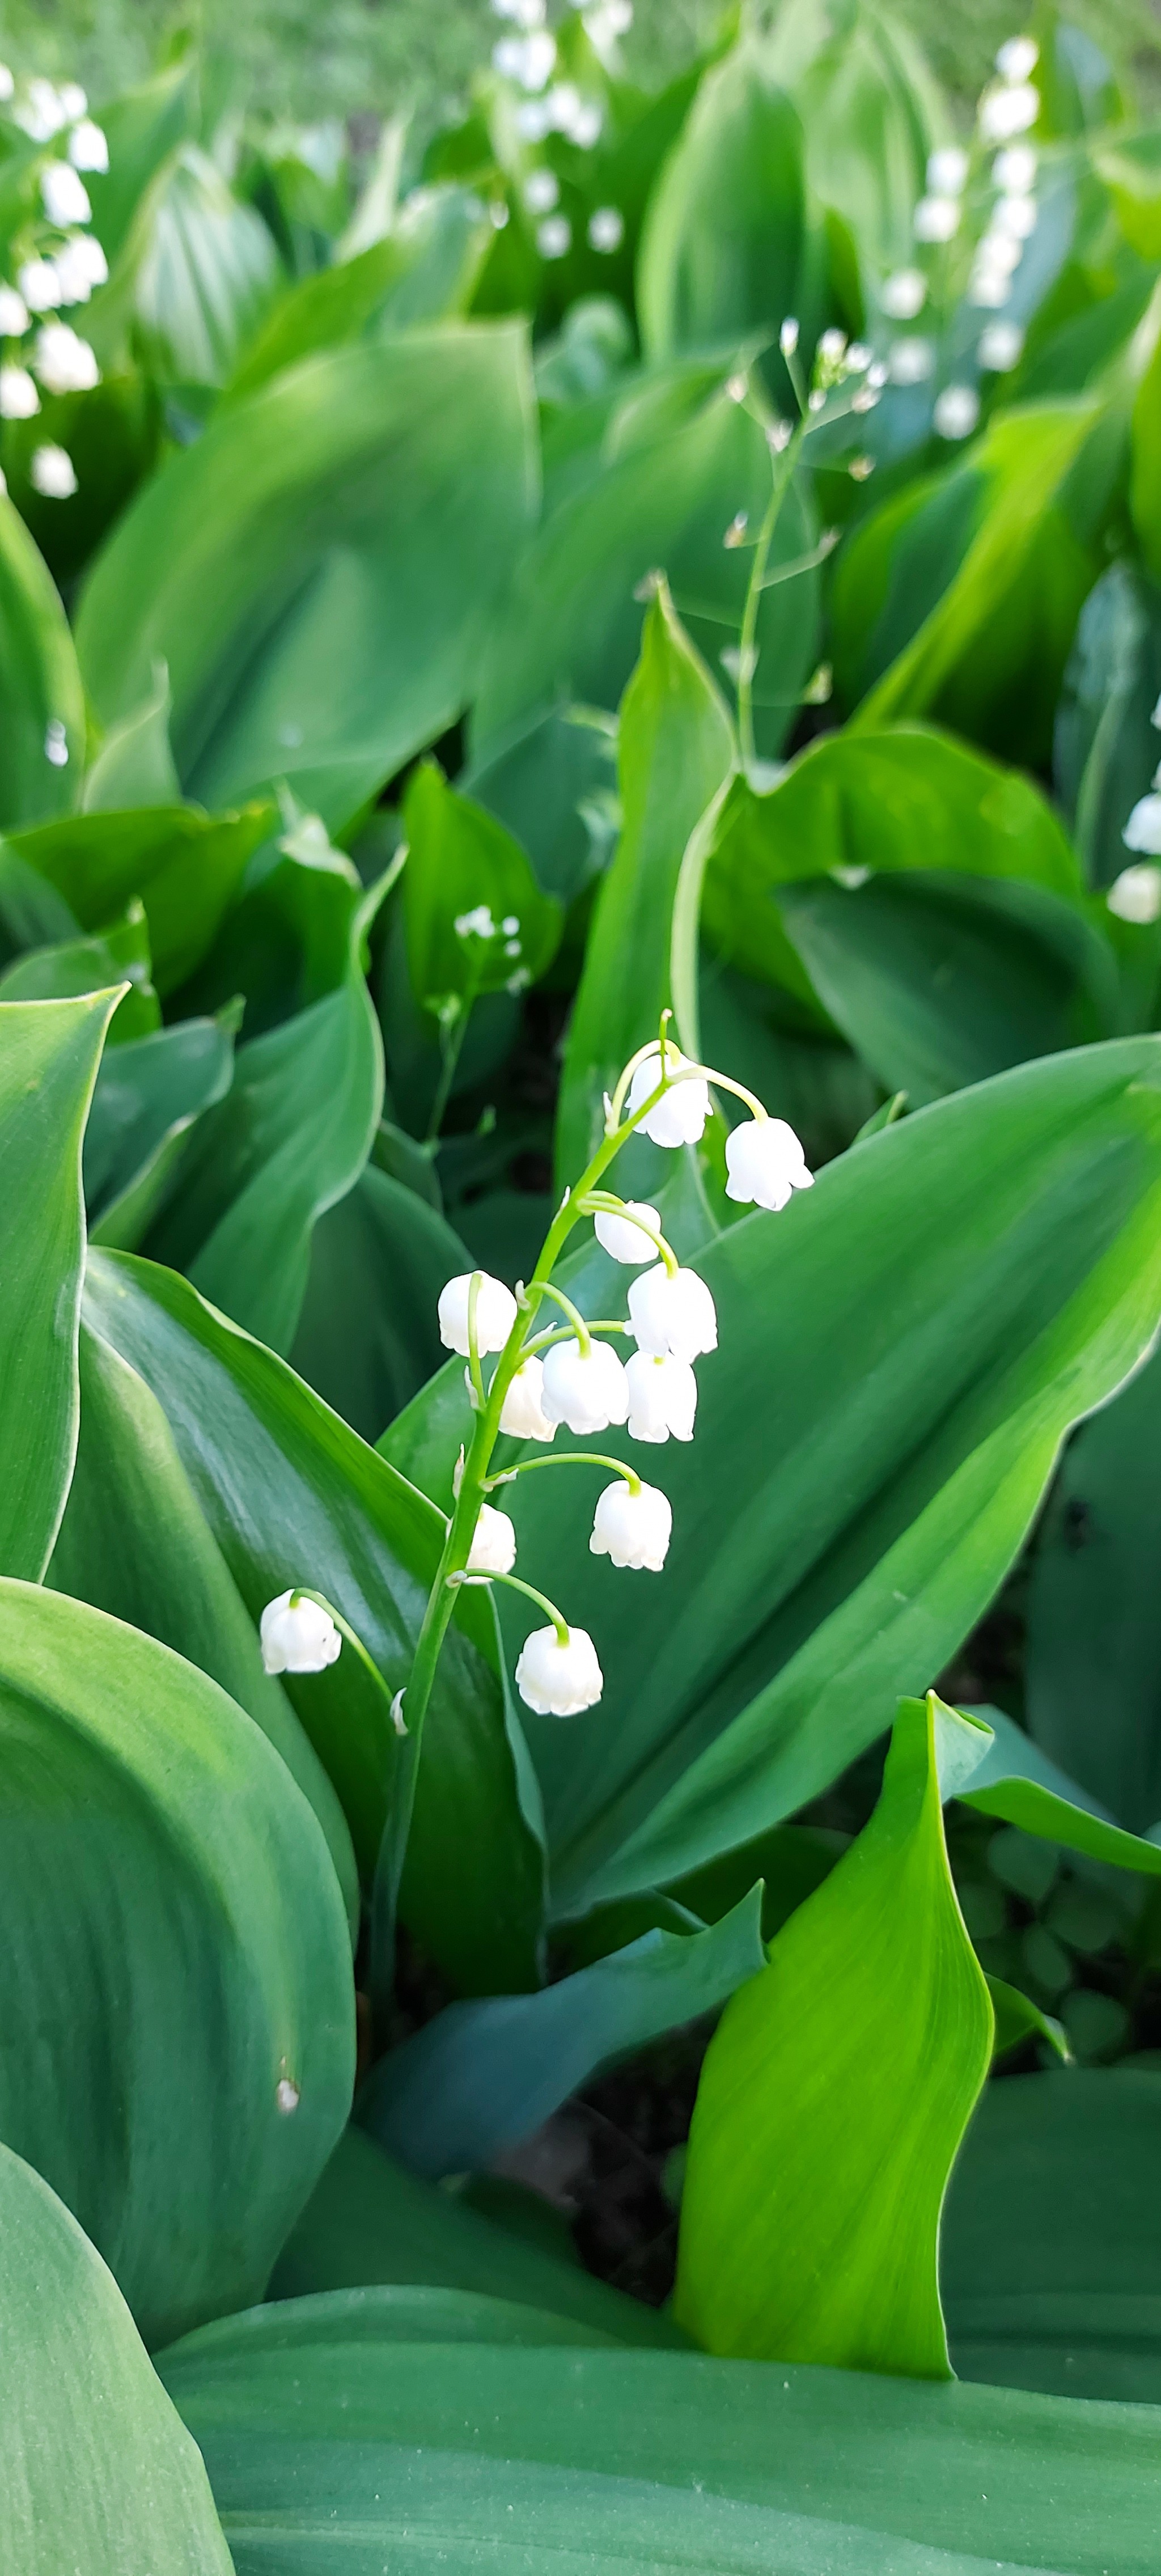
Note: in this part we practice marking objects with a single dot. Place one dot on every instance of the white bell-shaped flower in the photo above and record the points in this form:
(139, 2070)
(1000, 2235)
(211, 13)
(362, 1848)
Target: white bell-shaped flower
(522, 1412)
(495, 1313)
(586, 1389)
(558, 1680)
(662, 1398)
(64, 195)
(765, 1163)
(53, 473)
(493, 1548)
(1143, 829)
(672, 1314)
(19, 399)
(88, 146)
(64, 362)
(1136, 893)
(680, 1115)
(624, 1241)
(633, 1528)
(297, 1636)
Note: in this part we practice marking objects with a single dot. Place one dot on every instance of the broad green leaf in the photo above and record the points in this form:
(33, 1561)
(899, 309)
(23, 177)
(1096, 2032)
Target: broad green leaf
(419, 2314)
(1017, 1782)
(186, 867)
(552, 782)
(1105, 746)
(134, 1543)
(180, 1952)
(49, 1053)
(676, 751)
(901, 1353)
(460, 861)
(939, 981)
(148, 1097)
(367, 1337)
(207, 274)
(1049, 2254)
(134, 765)
(382, 2451)
(292, 1496)
(834, 2095)
(288, 1141)
(1131, 171)
(32, 913)
(145, 127)
(319, 570)
(422, 271)
(41, 698)
(674, 470)
(870, 114)
(958, 599)
(99, 2472)
(368, 2219)
(1018, 2019)
(728, 249)
(1094, 1621)
(77, 966)
(483, 2076)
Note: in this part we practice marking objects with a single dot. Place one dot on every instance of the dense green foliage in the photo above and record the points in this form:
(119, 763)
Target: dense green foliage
(525, 646)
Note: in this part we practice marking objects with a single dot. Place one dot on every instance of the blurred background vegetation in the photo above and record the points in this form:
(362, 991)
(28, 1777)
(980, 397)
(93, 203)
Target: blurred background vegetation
(308, 58)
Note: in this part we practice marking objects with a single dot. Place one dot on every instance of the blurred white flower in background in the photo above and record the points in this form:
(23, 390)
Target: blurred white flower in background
(947, 171)
(1004, 113)
(80, 265)
(65, 363)
(1015, 170)
(554, 237)
(43, 112)
(1015, 216)
(606, 228)
(1001, 346)
(904, 295)
(541, 192)
(19, 398)
(13, 314)
(56, 742)
(39, 284)
(52, 473)
(957, 409)
(1136, 893)
(64, 195)
(528, 60)
(88, 146)
(937, 219)
(523, 13)
(1017, 58)
(910, 362)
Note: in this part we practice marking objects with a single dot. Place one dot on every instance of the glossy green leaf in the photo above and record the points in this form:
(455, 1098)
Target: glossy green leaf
(206, 277)
(957, 600)
(77, 966)
(367, 1338)
(676, 751)
(1018, 2018)
(552, 781)
(483, 2076)
(423, 271)
(834, 2095)
(900, 1355)
(678, 462)
(149, 1096)
(1094, 1621)
(381, 2450)
(461, 860)
(370, 2220)
(179, 1951)
(134, 1543)
(99, 2472)
(49, 1053)
(727, 250)
(871, 114)
(291, 1496)
(1050, 2261)
(186, 867)
(1017, 1783)
(317, 572)
(1105, 746)
(41, 697)
(134, 765)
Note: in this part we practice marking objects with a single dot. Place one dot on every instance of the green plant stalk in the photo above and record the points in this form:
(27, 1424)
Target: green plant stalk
(783, 475)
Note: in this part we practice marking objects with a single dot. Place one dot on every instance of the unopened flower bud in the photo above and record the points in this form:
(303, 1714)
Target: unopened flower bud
(495, 1313)
(522, 1412)
(679, 1117)
(297, 1636)
(624, 1241)
(586, 1389)
(662, 1398)
(765, 1163)
(633, 1528)
(556, 1679)
(493, 1548)
(672, 1313)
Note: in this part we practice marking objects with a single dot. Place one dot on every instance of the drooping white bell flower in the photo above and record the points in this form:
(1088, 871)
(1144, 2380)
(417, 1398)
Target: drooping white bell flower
(947, 171)
(1143, 829)
(937, 219)
(633, 1528)
(1136, 893)
(88, 146)
(297, 1636)
(559, 1680)
(64, 195)
(1017, 58)
(522, 1412)
(956, 411)
(1004, 113)
(40, 285)
(680, 1115)
(13, 314)
(64, 362)
(1015, 170)
(904, 295)
(586, 1389)
(662, 1398)
(672, 1314)
(493, 1548)
(1001, 346)
(52, 473)
(624, 1241)
(19, 399)
(495, 1313)
(765, 1163)
(80, 265)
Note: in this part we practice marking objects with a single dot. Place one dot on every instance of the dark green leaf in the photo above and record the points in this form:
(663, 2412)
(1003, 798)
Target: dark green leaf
(206, 275)
(727, 250)
(367, 1338)
(41, 699)
(77, 966)
(1105, 747)
(185, 865)
(148, 1098)
(459, 860)
(552, 782)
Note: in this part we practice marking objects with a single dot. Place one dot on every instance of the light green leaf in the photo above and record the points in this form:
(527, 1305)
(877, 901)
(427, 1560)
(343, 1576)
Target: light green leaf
(134, 1543)
(871, 114)
(1018, 2019)
(676, 750)
(134, 765)
(380, 2450)
(900, 1355)
(833, 2098)
(552, 781)
(206, 276)
(483, 2076)
(185, 865)
(41, 698)
(77, 966)
(145, 127)
(369, 2220)
(423, 271)
(49, 1053)
(291, 1496)
(318, 571)
(1049, 2254)
(1105, 747)
(367, 1338)
(1016, 1782)
(180, 1951)
(459, 859)
(99, 2472)
(727, 248)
